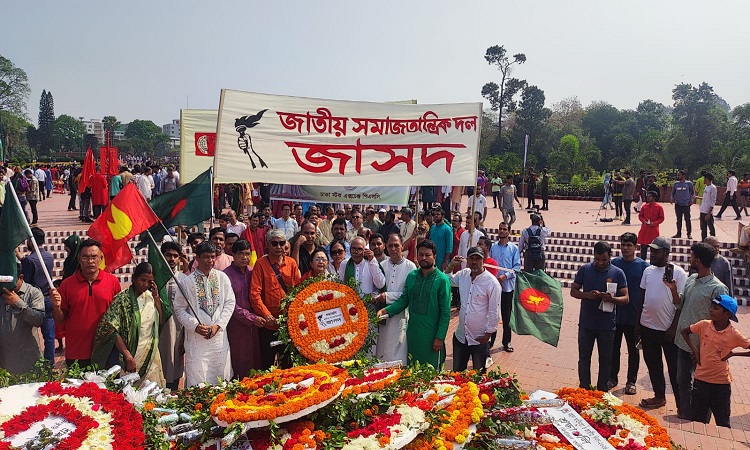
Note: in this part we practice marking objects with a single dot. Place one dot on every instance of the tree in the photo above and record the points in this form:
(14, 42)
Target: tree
(69, 133)
(501, 96)
(13, 132)
(110, 125)
(741, 117)
(567, 116)
(14, 88)
(145, 135)
(650, 115)
(90, 140)
(46, 124)
(532, 116)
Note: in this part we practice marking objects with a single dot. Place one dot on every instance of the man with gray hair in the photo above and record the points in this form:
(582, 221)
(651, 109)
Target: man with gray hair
(720, 266)
(273, 276)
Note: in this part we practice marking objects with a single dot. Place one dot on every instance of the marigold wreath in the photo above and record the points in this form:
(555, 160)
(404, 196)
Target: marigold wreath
(327, 321)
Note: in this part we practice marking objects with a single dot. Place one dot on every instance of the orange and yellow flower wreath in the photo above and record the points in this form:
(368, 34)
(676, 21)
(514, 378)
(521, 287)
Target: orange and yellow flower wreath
(333, 344)
(279, 393)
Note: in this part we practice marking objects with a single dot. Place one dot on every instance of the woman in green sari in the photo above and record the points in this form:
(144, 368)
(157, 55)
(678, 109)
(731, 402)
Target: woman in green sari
(131, 325)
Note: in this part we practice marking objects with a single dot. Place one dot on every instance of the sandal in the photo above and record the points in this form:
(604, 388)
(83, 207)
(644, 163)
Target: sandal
(630, 389)
(652, 402)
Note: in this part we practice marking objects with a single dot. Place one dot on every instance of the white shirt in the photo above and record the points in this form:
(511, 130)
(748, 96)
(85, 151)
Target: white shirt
(480, 203)
(41, 176)
(237, 229)
(392, 344)
(464, 244)
(480, 299)
(367, 274)
(709, 199)
(658, 308)
(731, 185)
(207, 360)
(145, 184)
(290, 226)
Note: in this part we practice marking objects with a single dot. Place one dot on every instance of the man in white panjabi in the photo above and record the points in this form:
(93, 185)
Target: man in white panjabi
(392, 345)
(212, 299)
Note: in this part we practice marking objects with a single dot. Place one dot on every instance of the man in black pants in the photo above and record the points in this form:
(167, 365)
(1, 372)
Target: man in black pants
(683, 195)
(730, 196)
(544, 186)
(507, 256)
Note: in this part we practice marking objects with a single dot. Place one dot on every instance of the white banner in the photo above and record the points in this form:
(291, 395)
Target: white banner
(197, 142)
(294, 140)
(359, 195)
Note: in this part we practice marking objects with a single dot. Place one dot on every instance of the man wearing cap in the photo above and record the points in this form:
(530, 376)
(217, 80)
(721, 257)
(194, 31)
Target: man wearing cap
(694, 305)
(683, 194)
(706, 209)
(477, 319)
(656, 327)
(712, 392)
(600, 286)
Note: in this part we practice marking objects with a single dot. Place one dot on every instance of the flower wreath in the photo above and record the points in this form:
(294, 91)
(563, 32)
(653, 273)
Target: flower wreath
(371, 381)
(103, 419)
(279, 393)
(317, 340)
(299, 435)
(623, 425)
(391, 430)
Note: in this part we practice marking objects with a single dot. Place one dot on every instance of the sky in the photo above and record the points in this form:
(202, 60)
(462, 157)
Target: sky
(147, 59)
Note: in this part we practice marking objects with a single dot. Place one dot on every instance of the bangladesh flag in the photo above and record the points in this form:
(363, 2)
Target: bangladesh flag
(537, 306)
(187, 205)
(14, 230)
(162, 275)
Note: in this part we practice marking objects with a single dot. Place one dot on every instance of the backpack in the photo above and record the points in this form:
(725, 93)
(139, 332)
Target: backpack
(534, 245)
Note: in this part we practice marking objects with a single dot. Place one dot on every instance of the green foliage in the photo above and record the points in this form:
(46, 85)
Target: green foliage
(501, 95)
(14, 88)
(144, 136)
(69, 133)
(13, 132)
(46, 130)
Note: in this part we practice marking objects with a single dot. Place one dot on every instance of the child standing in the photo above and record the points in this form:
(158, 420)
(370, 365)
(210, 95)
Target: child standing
(711, 386)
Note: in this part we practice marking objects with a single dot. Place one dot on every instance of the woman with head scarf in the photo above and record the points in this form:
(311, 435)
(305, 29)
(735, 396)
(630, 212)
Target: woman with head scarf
(131, 325)
(72, 243)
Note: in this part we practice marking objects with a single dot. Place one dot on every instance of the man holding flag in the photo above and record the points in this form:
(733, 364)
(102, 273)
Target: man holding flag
(172, 337)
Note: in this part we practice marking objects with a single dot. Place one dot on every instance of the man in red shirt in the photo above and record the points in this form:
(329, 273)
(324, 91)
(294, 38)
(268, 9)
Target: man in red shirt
(82, 301)
(256, 234)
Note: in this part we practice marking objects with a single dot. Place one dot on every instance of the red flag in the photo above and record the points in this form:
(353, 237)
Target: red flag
(127, 215)
(89, 169)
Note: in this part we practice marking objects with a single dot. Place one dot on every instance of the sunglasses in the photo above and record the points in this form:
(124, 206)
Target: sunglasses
(336, 252)
(277, 243)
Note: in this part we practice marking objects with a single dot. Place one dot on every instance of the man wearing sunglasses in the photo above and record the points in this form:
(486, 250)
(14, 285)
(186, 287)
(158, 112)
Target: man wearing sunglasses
(273, 276)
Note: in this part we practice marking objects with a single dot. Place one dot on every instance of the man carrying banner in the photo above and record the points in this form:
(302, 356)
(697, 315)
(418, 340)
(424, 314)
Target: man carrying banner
(600, 286)
(509, 259)
(427, 294)
(205, 314)
(477, 320)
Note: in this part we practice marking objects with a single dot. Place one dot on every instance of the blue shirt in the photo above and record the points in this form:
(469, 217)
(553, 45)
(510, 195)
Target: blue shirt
(591, 279)
(442, 235)
(509, 257)
(33, 273)
(682, 193)
(628, 314)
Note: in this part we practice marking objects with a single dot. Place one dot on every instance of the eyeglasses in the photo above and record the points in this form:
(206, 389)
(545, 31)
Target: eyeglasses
(356, 250)
(336, 252)
(89, 258)
(321, 259)
(277, 243)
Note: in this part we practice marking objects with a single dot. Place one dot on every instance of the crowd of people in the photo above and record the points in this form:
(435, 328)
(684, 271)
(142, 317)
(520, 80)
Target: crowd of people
(661, 309)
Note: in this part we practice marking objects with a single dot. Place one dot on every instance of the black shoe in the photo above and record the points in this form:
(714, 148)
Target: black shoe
(738, 218)
(690, 236)
(717, 217)
(677, 236)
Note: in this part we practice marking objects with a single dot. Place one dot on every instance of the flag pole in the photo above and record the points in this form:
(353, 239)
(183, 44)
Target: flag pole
(36, 247)
(172, 275)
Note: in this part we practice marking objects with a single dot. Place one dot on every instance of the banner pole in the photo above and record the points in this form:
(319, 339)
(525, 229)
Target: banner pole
(28, 230)
(416, 203)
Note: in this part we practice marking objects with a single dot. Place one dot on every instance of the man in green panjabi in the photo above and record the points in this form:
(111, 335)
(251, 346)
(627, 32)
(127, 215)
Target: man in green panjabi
(427, 294)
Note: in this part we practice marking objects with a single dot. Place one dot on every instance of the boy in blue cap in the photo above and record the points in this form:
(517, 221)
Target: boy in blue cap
(711, 387)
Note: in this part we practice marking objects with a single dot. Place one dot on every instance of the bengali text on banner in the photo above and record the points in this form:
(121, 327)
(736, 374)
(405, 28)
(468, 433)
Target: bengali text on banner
(293, 140)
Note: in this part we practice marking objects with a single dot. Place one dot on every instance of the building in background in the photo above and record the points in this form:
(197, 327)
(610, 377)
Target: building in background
(173, 131)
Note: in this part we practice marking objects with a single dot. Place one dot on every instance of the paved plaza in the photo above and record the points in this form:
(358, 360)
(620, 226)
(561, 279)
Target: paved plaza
(540, 366)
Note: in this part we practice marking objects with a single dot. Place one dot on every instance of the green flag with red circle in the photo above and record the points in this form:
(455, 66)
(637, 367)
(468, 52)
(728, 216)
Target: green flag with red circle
(187, 205)
(537, 306)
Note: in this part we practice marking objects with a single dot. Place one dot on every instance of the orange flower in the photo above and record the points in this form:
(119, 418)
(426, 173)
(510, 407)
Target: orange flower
(198, 406)
(333, 344)
(149, 406)
(325, 382)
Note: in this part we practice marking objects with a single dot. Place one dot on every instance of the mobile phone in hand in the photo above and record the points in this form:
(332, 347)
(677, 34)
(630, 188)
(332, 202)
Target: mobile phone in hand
(669, 272)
